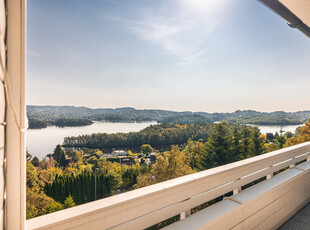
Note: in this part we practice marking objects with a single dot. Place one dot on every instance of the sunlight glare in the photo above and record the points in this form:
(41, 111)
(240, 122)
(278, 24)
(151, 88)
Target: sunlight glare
(203, 6)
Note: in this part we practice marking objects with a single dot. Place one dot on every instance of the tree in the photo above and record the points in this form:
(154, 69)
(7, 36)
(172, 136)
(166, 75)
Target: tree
(171, 164)
(193, 150)
(58, 152)
(303, 135)
(76, 156)
(35, 161)
(236, 139)
(270, 137)
(45, 163)
(146, 149)
(28, 155)
(62, 160)
(288, 135)
(37, 203)
(69, 202)
(218, 147)
(247, 146)
(257, 141)
(33, 182)
(53, 207)
(281, 138)
(269, 147)
(97, 153)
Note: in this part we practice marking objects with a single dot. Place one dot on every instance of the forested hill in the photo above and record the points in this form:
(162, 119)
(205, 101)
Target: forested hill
(42, 116)
(155, 135)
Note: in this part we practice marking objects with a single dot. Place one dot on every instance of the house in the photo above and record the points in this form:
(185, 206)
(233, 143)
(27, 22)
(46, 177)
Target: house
(118, 153)
(126, 160)
(106, 155)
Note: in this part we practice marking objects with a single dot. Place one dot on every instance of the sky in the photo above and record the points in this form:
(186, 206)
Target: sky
(182, 55)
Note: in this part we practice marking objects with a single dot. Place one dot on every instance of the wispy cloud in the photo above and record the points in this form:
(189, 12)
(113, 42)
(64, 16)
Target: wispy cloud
(175, 37)
(179, 27)
(30, 52)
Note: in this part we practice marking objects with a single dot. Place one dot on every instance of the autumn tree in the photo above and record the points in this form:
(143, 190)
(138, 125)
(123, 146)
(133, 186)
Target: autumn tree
(303, 135)
(97, 153)
(76, 156)
(37, 203)
(193, 150)
(146, 149)
(171, 164)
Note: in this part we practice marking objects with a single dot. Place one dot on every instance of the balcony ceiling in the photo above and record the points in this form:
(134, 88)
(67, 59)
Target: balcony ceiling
(295, 12)
(301, 8)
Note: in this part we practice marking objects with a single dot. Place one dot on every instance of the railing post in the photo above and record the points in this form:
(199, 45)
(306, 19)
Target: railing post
(236, 190)
(269, 176)
(185, 214)
(292, 165)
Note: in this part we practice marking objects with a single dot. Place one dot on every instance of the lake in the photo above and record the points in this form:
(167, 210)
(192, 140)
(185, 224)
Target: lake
(43, 141)
(274, 128)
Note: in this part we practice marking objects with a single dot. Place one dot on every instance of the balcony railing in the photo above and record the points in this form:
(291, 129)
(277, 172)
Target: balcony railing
(265, 205)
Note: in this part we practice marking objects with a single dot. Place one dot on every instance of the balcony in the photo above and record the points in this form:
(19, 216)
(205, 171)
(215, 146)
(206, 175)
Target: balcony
(265, 205)
(284, 189)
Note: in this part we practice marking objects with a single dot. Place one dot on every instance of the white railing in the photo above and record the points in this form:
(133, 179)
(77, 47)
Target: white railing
(147, 206)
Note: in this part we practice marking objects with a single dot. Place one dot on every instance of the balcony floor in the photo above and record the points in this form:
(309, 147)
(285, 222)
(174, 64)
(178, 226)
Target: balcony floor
(300, 221)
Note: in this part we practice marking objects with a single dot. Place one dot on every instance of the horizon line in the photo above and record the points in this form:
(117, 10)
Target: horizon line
(179, 111)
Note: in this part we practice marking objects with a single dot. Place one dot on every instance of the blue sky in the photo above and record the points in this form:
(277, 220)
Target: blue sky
(198, 55)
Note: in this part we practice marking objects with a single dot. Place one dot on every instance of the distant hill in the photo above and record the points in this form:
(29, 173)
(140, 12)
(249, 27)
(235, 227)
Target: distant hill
(185, 119)
(42, 116)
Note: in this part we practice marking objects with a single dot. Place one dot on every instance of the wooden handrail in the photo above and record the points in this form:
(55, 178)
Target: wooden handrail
(150, 205)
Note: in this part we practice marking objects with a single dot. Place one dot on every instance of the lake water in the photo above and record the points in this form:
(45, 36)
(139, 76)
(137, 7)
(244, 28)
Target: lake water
(273, 129)
(43, 141)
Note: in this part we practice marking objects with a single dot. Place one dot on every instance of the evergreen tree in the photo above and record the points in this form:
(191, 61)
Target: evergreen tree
(276, 135)
(58, 152)
(281, 138)
(35, 161)
(62, 161)
(236, 139)
(89, 189)
(218, 147)
(69, 202)
(79, 190)
(257, 141)
(247, 147)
